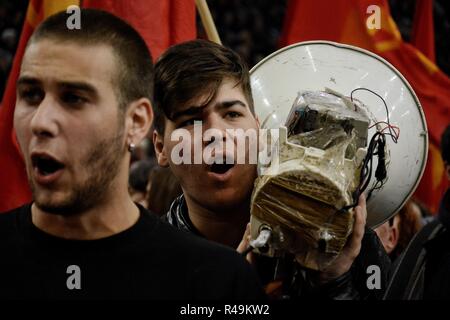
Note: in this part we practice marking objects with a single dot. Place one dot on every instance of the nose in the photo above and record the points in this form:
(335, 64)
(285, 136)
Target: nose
(215, 122)
(44, 122)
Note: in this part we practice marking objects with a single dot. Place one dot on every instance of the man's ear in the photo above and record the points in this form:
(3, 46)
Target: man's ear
(160, 151)
(394, 235)
(139, 118)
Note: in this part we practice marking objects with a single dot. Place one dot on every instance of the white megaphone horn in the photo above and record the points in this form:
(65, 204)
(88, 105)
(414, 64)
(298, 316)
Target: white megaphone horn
(315, 65)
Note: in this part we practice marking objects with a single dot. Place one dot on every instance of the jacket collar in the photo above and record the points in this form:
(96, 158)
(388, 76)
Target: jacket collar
(178, 216)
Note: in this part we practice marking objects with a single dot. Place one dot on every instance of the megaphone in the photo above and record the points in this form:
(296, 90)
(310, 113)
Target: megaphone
(347, 73)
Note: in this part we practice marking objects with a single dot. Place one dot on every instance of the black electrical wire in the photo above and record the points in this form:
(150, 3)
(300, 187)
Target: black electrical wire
(366, 171)
(376, 147)
(393, 136)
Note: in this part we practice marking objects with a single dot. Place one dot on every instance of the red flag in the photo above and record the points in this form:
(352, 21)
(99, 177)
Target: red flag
(422, 36)
(345, 21)
(160, 22)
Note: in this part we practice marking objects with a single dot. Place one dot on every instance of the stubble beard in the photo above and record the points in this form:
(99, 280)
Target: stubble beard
(102, 164)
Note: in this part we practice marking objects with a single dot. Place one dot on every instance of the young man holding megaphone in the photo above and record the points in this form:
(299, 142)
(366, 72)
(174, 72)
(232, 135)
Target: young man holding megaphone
(203, 103)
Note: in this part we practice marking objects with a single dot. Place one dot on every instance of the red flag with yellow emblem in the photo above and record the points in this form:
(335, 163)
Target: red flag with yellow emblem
(348, 21)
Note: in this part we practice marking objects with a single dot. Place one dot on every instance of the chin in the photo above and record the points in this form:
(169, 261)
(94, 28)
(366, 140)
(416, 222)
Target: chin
(57, 204)
(61, 209)
(227, 199)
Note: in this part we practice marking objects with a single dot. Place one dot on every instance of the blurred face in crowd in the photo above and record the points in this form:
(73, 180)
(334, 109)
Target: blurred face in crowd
(388, 233)
(68, 124)
(217, 187)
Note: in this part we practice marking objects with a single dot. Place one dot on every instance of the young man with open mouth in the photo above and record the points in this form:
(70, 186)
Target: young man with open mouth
(199, 84)
(83, 102)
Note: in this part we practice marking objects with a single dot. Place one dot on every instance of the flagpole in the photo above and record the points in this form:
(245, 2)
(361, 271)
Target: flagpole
(207, 21)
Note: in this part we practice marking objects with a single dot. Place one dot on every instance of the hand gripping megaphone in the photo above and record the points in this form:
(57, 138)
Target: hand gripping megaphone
(348, 122)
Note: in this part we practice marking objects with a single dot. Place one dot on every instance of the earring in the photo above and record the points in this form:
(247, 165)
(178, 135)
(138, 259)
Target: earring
(131, 147)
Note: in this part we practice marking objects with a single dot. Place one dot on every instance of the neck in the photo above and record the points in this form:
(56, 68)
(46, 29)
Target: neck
(113, 215)
(224, 227)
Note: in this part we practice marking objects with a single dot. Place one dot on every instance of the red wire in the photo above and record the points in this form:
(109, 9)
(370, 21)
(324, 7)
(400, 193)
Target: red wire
(395, 128)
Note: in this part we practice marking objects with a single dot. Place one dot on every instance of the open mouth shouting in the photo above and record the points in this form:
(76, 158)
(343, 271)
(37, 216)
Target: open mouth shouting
(46, 168)
(220, 168)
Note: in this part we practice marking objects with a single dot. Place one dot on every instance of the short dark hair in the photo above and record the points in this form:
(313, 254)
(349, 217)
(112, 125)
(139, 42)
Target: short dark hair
(191, 69)
(134, 74)
(445, 145)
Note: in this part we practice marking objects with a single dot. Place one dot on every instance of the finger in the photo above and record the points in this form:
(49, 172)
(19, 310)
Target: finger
(360, 221)
(243, 245)
(353, 246)
(250, 258)
(247, 232)
(362, 203)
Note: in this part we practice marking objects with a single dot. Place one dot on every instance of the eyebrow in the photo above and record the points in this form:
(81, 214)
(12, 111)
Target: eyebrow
(229, 103)
(27, 81)
(194, 110)
(71, 85)
(80, 86)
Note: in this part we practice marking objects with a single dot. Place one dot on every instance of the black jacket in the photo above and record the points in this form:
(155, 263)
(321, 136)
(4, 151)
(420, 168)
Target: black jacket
(422, 271)
(437, 270)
